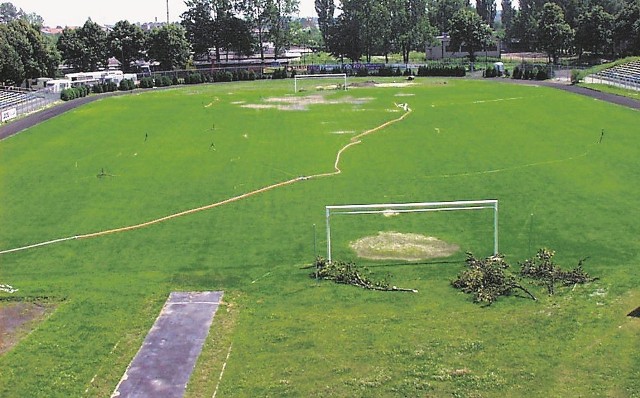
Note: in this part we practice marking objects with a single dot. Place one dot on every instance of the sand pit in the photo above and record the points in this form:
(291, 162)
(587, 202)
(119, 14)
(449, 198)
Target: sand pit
(402, 246)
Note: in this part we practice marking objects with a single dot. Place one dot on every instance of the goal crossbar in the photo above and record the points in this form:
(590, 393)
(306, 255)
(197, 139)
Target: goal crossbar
(413, 208)
(321, 76)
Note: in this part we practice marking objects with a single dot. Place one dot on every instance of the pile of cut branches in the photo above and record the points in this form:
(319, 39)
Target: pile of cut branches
(349, 274)
(487, 279)
(542, 269)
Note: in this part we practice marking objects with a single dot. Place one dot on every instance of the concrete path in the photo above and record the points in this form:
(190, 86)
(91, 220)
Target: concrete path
(162, 367)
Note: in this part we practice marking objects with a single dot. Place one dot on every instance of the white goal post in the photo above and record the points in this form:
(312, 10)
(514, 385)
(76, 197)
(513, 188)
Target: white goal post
(413, 208)
(343, 76)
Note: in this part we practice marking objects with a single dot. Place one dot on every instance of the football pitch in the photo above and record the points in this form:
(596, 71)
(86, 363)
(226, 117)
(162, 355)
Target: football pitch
(224, 186)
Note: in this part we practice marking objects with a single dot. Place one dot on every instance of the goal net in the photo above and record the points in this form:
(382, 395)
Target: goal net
(423, 207)
(330, 81)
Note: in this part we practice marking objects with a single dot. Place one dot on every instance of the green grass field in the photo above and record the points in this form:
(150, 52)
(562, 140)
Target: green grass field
(534, 149)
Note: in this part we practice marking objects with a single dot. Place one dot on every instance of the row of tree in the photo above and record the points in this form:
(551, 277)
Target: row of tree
(367, 27)
(600, 27)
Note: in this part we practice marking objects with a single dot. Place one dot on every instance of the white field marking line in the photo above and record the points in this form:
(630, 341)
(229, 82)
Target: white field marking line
(224, 365)
(262, 277)
(354, 141)
(497, 100)
(96, 375)
(522, 166)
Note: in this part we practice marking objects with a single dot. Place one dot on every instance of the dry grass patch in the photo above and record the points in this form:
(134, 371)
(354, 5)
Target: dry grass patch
(402, 246)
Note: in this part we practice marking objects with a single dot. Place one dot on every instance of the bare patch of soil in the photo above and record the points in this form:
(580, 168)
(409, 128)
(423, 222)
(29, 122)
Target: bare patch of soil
(402, 246)
(18, 319)
(296, 103)
(395, 84)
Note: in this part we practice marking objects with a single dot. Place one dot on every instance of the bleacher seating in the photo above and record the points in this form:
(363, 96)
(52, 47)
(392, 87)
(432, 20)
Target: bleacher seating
(9, 98)
(627, 75)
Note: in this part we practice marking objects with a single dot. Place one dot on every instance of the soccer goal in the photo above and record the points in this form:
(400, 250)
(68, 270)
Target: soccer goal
(337, 80)
(398, 208)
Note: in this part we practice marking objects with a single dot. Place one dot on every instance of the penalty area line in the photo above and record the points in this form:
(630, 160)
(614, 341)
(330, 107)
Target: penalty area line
(224, 366)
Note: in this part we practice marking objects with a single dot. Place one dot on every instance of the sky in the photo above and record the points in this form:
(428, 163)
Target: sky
(75, 12)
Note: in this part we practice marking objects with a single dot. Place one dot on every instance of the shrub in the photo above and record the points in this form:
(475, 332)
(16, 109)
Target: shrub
(442, 70)
(362, 72)
(126, 85)
(193, 78)
(97, 89)
(490, 72)
(517, 73)
(146, 82)
(541, 74)
(385, 71)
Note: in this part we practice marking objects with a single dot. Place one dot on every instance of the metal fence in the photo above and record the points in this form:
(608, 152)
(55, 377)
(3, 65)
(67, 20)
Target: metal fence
(23, 102)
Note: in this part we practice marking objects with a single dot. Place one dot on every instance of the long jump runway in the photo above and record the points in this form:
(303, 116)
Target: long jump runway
(164, 363)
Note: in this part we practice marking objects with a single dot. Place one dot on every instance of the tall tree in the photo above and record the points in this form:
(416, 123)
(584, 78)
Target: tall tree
(37, 57)
(325, 10)
(280, 15)
(84, 48)
(9, 12)
(595, 31)
(470, 31)
(441, 12)
(198, 21)
(126, 43)
(168, 45)
(487, 11)
(507, 14)
(555, 33)
(11, 67)
(626, 32)
(257, 13)
(523, 32)
(410, 26)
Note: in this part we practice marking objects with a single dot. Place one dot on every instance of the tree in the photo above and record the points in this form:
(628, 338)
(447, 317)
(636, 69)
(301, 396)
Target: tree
(9, 12)
(345, 34)
(36, 57)
(279, 21)
(523, 32)
(410, 26)
(257, 14)
(507, 14)
(468, 30)
(626, 32)
(487, 11)
(168, 45)
(325, 10)
(11, 67)
(594, 31)
(85, 48)
(126, 43)
(555, 32)
(441, 12)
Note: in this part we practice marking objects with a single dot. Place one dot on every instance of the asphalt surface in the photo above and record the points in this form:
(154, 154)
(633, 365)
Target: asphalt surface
(168, 354)
(21, 124)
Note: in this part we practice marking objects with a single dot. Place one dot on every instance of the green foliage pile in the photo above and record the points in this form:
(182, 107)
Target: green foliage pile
(545, 272)
(489, 278)
(349, 274)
